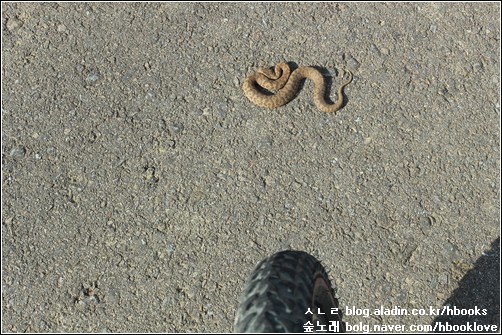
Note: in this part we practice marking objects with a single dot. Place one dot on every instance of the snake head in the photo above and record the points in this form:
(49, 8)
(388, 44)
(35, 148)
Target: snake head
(349, 73)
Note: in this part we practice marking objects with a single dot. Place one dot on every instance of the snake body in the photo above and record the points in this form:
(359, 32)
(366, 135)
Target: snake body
(285, 84)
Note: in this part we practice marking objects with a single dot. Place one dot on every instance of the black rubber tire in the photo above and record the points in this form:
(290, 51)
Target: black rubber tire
(279, 292)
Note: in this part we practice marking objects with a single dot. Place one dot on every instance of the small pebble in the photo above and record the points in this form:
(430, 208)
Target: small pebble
(353, 64)
(175, 128)
(13, 24)
(18, 152)
(92, 77)
(61, 28)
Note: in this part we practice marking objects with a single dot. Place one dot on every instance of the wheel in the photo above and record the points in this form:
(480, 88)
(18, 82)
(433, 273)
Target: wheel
(280, 293)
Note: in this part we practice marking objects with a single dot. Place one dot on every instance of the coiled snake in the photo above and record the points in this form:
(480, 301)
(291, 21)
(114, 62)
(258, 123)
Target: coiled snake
(285, 84)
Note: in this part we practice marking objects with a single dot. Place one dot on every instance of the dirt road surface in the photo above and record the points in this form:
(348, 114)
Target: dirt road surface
(140, 187)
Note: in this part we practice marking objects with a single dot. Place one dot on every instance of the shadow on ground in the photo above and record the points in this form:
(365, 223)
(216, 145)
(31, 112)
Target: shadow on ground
(480, 288)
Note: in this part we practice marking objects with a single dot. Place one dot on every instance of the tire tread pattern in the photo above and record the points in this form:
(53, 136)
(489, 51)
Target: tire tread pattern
(278, 294)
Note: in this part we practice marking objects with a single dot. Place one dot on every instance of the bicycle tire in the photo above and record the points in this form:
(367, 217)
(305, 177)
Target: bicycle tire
(280, 291)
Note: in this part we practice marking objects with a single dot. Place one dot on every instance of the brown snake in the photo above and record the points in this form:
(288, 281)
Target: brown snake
(285, 84)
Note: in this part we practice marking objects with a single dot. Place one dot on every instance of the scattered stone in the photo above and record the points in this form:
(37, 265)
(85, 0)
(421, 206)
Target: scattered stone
(92, 77)
(353, 64)
(175, 128)
(18, 152)
(61, 28)
(13, 24)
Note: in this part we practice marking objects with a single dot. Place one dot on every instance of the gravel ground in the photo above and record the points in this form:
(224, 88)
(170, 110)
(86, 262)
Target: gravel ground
(140, 187)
